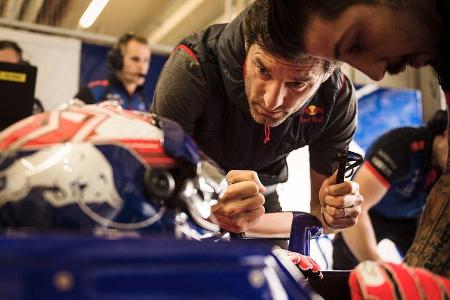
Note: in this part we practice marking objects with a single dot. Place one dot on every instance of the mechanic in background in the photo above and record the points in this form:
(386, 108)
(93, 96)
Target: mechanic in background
(129, 61)
(400, 169)
(10, 52)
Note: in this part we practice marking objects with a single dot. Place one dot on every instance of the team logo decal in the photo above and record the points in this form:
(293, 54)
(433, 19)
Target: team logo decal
(313, 114)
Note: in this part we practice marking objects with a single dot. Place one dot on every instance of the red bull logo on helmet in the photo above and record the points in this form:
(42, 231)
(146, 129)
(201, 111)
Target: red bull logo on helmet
(312, 114)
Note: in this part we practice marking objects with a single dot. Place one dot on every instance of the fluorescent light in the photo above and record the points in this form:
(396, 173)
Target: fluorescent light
(90, 15)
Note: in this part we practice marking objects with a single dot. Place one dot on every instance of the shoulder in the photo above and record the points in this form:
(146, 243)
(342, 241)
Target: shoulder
(402, 136)
(93, 91)
(395, 147)
(337, 85)
(98, 83)
(183, 61)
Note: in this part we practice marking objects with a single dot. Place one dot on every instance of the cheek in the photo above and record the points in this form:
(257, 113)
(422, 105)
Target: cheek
(294, 102)
(254, 88)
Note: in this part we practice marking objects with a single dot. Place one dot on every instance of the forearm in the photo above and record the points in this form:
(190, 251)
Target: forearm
(361, 239)
(431, 247)
(273, 223)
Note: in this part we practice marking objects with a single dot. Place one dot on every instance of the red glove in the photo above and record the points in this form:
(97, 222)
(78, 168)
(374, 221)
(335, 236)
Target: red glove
(371, 280)
(306, 264)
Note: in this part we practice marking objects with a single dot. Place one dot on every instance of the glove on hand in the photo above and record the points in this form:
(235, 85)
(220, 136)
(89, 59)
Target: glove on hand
(371, 280)
(306, 264)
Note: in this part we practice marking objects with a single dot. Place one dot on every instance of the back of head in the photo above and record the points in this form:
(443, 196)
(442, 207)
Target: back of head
(115, 55)
(258, 30)
(438, 123)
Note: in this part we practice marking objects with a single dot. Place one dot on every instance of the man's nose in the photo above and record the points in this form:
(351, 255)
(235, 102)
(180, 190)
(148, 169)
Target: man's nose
(275, 94)
(375, 70)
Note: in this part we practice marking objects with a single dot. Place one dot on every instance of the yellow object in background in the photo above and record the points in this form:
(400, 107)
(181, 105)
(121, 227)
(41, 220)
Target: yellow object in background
(13, 76)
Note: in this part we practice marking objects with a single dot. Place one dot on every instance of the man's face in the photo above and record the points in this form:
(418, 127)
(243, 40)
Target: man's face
(136, 62)
(9, 56)
(374, 39)
(276, 88)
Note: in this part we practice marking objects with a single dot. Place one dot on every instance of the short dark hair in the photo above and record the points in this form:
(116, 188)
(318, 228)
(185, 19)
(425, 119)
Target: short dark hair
(288, 19)
(256, 31)
(130, 36)
(6, 44)
(438, 123)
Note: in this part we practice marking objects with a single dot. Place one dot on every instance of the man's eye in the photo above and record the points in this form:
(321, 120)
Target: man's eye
(355, 48)
(262, 71)
(297, 85)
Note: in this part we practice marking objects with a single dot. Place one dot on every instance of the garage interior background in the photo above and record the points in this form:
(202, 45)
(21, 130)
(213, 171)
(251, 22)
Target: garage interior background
(68, 55)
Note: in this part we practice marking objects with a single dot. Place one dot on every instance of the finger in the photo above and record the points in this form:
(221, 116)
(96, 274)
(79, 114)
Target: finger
(235, 176)
(344, 201)
(344, 188)
(340, 223)
(345, 212)
(240, 190)
(241, 222)
(248, 216)
(243, 205)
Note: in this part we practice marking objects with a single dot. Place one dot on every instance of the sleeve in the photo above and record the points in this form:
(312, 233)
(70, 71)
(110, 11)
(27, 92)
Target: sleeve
(340, 128)
(389, 156)
(181, 90)
(85, 95)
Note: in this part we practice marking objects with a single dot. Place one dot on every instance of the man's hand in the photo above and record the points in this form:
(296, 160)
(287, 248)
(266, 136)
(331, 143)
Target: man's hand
(340, 203)
(241, 206)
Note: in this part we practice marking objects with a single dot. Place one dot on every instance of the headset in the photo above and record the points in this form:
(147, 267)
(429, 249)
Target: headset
(115, 55)
(5, 44)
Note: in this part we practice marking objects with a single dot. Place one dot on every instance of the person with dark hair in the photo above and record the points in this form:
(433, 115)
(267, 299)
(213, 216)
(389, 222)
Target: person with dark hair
(10, 52)
(400, 169)
(376, 37)
(248, 105)
(129, 62)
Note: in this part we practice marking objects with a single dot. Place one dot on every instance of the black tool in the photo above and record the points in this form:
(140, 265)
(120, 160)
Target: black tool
(345, 162)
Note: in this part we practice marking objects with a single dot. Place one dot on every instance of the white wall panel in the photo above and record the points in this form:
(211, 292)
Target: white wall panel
(58, 62)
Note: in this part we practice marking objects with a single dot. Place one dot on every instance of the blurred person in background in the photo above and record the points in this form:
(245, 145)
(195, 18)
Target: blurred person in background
(10, 52)
(400, 169)
(129, 62)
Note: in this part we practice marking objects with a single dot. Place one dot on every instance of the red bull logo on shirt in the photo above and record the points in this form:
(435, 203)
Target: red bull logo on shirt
(312, 114)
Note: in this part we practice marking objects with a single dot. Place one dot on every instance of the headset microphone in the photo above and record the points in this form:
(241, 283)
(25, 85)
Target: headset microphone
(138, 74)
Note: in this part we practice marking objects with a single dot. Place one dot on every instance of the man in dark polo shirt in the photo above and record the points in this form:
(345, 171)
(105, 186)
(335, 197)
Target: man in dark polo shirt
(400, 169)
(248, 105)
